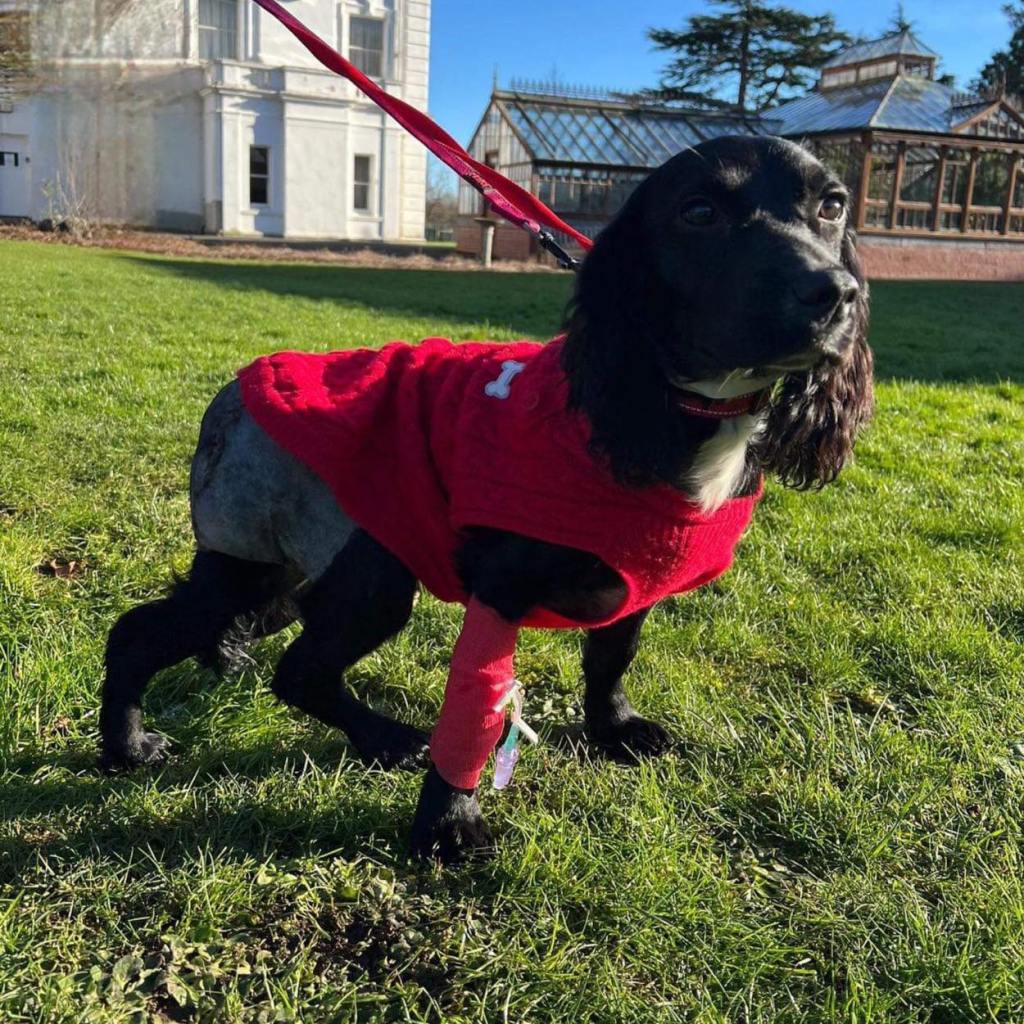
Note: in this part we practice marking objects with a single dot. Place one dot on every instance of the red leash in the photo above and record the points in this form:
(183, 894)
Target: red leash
(510, 200)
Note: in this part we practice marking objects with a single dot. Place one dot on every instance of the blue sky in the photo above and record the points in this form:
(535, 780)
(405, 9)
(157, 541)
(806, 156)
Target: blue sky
(602, 42)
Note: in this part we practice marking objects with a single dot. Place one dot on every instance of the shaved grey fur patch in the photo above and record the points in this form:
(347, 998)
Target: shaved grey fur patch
(252, 500)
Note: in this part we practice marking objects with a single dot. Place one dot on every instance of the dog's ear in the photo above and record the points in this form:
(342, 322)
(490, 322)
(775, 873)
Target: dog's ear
(815, 416)
(615, 300)
(618, 312)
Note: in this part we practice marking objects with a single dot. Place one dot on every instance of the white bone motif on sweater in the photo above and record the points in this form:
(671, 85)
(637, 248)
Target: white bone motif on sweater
(500, 388)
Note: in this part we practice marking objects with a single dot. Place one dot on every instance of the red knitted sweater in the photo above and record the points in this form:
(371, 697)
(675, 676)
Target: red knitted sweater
(419, 442)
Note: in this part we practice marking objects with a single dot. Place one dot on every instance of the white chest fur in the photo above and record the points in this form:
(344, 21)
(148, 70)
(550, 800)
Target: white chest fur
(718, 468)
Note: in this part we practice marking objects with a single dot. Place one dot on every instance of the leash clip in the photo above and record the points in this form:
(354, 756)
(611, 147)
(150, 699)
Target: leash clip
(507, 755)
(547, 241)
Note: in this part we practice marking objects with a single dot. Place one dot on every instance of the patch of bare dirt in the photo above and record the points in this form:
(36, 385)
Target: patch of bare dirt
(61, 568)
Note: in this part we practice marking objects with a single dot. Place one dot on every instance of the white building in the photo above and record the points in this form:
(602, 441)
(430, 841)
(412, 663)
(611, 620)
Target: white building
(207, 115)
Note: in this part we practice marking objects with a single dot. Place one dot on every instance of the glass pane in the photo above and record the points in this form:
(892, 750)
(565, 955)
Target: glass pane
(991, 180)
(218, 29)
(877, 217)
(883, 173)
(368, 33)
(366, 45)
(914, 218)
(986, 223)
(954, 182)
(920, 174)
(1018, 189)
(844, 159)
(361, 197)
(257, 190)
(259, 159)
(361, 170)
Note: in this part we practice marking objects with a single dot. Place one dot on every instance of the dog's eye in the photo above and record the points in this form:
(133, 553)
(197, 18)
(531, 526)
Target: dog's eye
(833, 207)
(698, 212)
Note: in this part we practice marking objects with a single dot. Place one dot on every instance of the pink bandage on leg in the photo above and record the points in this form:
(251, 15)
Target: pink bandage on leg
(480, 675)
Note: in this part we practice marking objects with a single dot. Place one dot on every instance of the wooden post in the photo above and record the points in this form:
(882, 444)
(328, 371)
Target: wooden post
(969, 194)
(865, 178)
(901, 163)
(1008, 205)
(937, 201)
(487, 244)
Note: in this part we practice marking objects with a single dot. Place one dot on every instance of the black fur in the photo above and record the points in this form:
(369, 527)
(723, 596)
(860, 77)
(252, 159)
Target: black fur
(767, 286)
(190, 622)
(363, 599)
(659, 301)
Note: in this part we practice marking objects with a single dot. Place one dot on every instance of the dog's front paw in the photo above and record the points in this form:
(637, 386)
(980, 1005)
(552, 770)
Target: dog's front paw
(448, 826)
(631, 737)
(146, 748)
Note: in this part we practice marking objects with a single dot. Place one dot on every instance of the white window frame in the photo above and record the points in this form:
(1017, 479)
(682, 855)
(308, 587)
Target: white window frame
(382, 21)
(370, 210)
(239, 32)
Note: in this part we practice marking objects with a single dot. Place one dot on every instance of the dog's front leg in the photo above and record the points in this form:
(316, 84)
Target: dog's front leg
(449, 824)
(611, 721)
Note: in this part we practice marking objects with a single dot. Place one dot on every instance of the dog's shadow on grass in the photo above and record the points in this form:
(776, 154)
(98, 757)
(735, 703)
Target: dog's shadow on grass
(63, 806)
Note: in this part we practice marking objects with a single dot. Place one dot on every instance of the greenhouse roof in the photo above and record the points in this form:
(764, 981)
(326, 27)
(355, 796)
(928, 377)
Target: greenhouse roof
(614, 133)
(903, 43)
(905, 102)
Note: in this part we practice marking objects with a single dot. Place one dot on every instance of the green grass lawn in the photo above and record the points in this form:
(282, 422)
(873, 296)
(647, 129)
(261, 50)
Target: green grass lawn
(837, 838)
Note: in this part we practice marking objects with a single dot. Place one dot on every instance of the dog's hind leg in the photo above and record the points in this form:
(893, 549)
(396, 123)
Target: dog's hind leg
(155, 636)
(363, 598)
(229, 654)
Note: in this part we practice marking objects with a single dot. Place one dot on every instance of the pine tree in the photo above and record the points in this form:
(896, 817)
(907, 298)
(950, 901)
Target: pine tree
(1006, 68)
(899, 22)
(758, 51)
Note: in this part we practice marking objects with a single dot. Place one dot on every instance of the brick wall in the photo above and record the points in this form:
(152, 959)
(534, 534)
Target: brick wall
(510, 242)
(894, 259)
(884, 258)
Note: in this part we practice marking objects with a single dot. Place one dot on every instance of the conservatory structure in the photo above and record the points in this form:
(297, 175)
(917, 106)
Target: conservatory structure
(581, 151)
(936, 176)
(922, 160)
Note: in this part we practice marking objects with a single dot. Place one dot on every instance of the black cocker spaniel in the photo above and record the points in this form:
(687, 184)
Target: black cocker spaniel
(717, 334)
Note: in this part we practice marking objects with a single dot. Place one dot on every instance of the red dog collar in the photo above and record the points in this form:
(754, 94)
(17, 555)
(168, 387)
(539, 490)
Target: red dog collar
(722, 408)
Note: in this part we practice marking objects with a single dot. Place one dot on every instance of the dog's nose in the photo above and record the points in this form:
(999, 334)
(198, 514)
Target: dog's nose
(822, 292)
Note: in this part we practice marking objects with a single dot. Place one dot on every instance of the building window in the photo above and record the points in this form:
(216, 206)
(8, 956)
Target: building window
(14, 39)
(259, 175)
(218, 29)
(8, 159)
(872, 71)
(830, 79)
(366, 45)
(922, 69)
(362, 171)
(15, 54)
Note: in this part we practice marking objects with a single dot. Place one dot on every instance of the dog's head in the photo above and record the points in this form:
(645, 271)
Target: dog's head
(731, 267)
